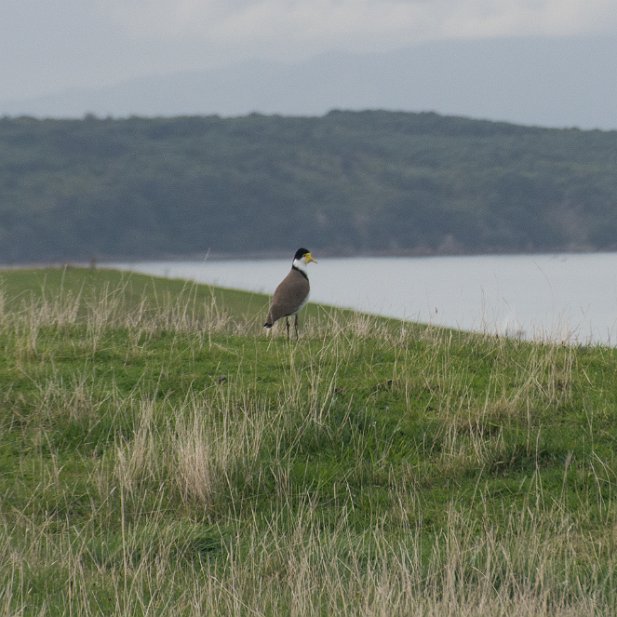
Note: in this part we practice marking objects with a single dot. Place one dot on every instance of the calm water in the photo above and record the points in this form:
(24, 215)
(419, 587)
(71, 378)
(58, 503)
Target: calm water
(563, 297)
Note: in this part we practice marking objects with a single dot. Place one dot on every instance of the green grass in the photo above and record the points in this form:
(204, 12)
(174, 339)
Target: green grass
(159, 455)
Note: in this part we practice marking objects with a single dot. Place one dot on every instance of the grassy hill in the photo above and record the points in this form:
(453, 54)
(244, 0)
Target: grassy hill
(371, 182)
(159, 455)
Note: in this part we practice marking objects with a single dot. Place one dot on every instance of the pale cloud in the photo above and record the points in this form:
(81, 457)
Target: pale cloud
(76, 43)
(476, 19)
(294, 25)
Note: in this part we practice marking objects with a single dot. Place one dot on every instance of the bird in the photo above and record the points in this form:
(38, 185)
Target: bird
(292, 292)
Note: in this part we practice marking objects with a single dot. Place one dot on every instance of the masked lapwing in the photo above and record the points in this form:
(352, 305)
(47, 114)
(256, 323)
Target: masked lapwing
(292, 293)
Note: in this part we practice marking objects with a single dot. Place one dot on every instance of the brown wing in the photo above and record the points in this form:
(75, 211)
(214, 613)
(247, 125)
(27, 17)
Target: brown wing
(289, 296)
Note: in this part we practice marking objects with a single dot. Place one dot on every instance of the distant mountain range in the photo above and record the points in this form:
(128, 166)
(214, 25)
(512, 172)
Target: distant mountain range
(562, 82)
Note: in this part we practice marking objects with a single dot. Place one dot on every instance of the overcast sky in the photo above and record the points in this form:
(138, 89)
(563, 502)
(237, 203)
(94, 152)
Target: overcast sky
(51, 45)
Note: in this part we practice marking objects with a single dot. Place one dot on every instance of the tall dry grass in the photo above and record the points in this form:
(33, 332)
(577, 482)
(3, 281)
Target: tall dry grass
(531, 566)
(195, 503)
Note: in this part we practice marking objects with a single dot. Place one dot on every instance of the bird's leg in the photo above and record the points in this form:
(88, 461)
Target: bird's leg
(296, 324)
(287, 325)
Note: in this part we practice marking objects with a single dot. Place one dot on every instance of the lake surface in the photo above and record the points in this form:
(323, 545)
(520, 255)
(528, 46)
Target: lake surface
(570, 298)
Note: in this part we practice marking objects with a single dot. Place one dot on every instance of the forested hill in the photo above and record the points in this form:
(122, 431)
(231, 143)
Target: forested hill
(347, 183)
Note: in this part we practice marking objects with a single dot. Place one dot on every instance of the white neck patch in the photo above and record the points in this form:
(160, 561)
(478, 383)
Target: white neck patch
(299, 263)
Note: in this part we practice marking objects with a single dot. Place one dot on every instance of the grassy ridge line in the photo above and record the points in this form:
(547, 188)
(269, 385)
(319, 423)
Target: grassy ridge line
(159, 455)
(127, 290)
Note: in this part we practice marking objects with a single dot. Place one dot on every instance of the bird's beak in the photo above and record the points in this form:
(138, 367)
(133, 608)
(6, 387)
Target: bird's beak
(308, 258)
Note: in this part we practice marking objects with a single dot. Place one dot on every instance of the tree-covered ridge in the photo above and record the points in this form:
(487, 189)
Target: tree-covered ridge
(347, 182)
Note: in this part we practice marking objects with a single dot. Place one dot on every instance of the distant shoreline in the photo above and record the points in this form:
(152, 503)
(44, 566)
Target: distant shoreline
(268, 255)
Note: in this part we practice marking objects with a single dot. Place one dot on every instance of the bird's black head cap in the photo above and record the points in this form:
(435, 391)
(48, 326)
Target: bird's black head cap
(300, 253)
